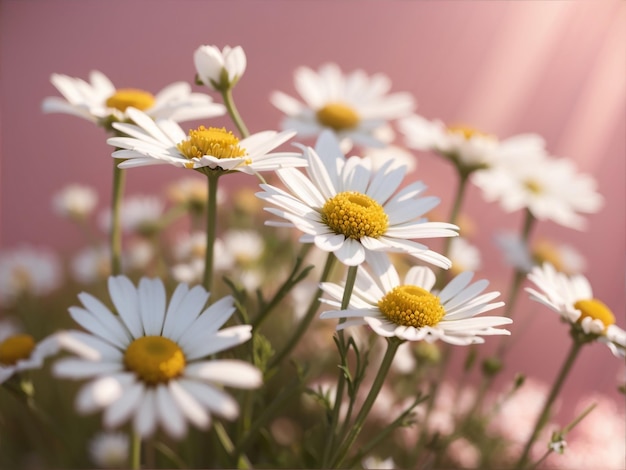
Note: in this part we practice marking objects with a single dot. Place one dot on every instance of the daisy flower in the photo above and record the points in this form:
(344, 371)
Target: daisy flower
(572, 298)
(344, 207)
(28, 270)
(468, 148)
(19, 351)
(464, 256)
(410, 310)
(164, 142)
(149, 363)
(548, 187)
(139, 214)
(75, 201)
(100, 102)
(355, 106)
(219, 70)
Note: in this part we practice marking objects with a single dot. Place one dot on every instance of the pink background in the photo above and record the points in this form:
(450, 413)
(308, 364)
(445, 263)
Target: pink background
(555, 68)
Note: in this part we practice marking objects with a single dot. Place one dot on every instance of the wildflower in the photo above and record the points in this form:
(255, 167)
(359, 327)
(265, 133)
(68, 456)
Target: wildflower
(346, 208)
(355, 106)
(219, 70)
(75, 201)
(149, 363)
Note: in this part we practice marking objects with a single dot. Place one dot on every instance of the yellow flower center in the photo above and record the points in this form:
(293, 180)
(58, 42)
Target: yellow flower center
(15, 348)
(338, 116)
(596, 310)
(213, 141)
(466, 132)
(533, 186)
(125, 97)
(546, 252)
(411, 306)
(155, 359)
(355, 215)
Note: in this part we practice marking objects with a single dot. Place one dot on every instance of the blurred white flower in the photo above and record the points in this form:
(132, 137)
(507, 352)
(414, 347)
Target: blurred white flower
(375, 463)
(91, 264)
(468, 148)
(109, 450)
(464, 256)
(550, 188)
(139, 214)
(464, 453)
(75, 201)
(219, 70)
(354, 106)
(100, 102)
(397, 155)
(244, 246)
(28, 270)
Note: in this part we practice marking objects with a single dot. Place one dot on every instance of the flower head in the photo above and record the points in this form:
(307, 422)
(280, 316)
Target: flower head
(219, 70)
(572, 298)
(75, 201)
(548, 187)
(110, 450)
(100, 102)
(468, 148)
(346, 208)
(355, 106)
(28, 270)
(19, 351)
(149, 363)
(412, 311)
(139, 214)
(204, 149)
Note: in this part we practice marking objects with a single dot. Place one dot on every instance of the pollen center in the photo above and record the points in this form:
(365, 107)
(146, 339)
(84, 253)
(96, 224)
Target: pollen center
(15, 348)
(533, 186)
(337, 116)
(213, 141)
(546, 252)
(466, 132)
(596, 310)
(154, 359)
(411, 306)
(355, 215)
(125, 97)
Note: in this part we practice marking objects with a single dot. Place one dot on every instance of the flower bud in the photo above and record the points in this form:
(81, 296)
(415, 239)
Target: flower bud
(219, 70)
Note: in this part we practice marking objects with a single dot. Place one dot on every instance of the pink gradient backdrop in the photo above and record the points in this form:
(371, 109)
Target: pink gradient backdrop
(555, 68)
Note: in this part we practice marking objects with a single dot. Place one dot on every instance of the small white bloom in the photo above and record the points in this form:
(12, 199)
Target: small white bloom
(109, 450)
(411, 311)
(337, 189)
(204, 149)
(28, 270)
(245, 246)
(572, 298)
(75, 201)
(91, 264)
(219, 70)
(138, 214)
(100, 102)
(149, 362)
(397, 155)
(375, 463)
(354, 106)
(19, 351)
(464, 256)
(558, 446)
(468, 148)
(548, 187)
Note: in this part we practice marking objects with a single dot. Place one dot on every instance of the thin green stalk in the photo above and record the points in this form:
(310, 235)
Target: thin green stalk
(392, 346)
(229, 447)
(116, 226)
(229, 102)
(547, 407)
(341, 381)
(211, 229)
(456, 208)
(308, 317)
(135, 452)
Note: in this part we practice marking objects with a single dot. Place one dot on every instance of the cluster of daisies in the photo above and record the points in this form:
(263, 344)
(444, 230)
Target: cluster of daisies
(152, 359)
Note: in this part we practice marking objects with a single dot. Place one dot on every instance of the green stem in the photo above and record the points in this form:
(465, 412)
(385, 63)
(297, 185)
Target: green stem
(547, 407)
(116, 226)
(211, 229)
(456, 208)
(341, 381)
(229, 102)
(392, 346)
(308, 317)
(229, 447)
(135, 452)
